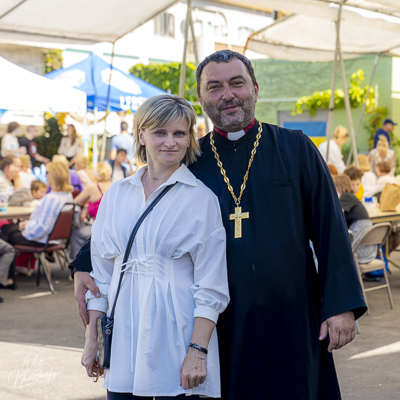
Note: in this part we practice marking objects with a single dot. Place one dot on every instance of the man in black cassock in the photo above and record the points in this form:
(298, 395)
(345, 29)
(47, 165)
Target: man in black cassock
(273, 337)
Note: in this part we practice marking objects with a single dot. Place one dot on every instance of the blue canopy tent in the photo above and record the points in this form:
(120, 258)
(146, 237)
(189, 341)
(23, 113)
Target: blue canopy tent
(107, 88)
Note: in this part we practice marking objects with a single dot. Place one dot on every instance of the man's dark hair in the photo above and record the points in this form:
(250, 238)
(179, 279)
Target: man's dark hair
(353, 173)
(224, 56)
(122, 151)
(12, 126)
(6, 161)
(124, 126)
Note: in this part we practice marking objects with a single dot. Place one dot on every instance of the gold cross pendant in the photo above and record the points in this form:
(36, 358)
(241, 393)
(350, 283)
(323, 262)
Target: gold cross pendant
(237, 217)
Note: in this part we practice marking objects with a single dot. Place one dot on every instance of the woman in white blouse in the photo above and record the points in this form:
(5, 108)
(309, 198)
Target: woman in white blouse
(175, 285)
(70, 145)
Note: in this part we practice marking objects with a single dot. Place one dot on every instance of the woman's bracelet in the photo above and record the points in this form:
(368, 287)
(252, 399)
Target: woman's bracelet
(197, 355)
(199, 348)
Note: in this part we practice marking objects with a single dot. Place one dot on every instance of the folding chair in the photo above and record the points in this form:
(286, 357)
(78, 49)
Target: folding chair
(376, 235)
(61, 231)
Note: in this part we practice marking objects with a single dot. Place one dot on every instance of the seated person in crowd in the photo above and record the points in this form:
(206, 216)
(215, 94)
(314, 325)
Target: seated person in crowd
(368, 180)
(35, 231)
(7, 266)
(89, 200)
(83, 171)
(356, 216)
(383, 170)
(9, 177)
(119, 171)
(380, 154)
(335, 157)
(74, 178)
(9, 142)
(26, 173)
(355, 176)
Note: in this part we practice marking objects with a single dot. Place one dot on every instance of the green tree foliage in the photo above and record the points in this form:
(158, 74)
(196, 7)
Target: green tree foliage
(166, 77)
(48, 143)
(52, 60)
(320, 99)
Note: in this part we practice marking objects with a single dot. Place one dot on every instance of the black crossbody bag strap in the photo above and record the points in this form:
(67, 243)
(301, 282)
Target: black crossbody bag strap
(132, 237)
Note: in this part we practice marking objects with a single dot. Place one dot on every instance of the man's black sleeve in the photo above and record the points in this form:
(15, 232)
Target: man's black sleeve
(82, 261)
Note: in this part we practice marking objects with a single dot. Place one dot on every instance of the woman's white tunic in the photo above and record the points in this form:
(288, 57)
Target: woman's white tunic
(177, 271)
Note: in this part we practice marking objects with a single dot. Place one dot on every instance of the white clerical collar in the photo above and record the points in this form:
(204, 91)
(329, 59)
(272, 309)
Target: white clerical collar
(236, 135)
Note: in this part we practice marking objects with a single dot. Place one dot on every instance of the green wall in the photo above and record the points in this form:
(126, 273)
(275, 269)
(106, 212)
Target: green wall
(284, 79)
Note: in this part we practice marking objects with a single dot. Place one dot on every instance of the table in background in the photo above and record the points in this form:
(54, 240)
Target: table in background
(16, 212)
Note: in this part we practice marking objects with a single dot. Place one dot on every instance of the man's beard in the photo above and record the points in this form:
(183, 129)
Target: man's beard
(235, 122)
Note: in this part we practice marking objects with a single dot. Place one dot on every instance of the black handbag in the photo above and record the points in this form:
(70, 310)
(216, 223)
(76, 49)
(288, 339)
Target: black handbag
(105, 324)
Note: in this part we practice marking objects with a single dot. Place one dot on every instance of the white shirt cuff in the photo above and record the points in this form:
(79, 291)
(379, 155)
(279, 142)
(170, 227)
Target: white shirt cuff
(97, 303)
(206, 312)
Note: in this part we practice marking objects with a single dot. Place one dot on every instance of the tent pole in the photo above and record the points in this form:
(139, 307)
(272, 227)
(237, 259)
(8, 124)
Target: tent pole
(348, 107)
(333, 84)
(104, 138)
(365, 104)
(197, 61)
(95, 150)
(85, 134)
(183, 65)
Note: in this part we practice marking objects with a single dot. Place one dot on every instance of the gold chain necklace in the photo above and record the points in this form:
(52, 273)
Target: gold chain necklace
(238, 216)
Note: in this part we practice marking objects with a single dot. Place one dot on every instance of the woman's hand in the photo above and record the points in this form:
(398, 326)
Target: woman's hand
(193, 370)
(84, 213)
(89, 355)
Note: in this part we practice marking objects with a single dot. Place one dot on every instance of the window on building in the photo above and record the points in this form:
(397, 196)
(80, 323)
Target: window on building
(164, 25)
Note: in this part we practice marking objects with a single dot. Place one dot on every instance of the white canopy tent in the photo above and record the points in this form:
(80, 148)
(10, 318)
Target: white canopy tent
(22, 90)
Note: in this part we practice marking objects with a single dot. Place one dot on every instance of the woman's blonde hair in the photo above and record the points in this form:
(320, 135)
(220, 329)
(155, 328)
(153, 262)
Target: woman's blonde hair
(81, 161)
(343, 184)
(60, 158)
(363, 163)
(340, 132)
(74, 134)
(25, 161)
(158, 111)
(60, 176)
(382, 142)
(103, 172)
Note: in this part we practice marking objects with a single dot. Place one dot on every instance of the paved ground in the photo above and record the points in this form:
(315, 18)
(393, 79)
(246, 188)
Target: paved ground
(41, 340)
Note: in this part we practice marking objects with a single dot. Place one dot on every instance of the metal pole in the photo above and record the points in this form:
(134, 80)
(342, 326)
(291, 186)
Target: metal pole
(365, 104)
(183, 65)
(333, 84)
(197, 61)
(104, 139)
(85, 134)
(348, 108)
(95, 150)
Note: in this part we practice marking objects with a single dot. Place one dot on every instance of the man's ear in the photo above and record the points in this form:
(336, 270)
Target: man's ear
(256, 89)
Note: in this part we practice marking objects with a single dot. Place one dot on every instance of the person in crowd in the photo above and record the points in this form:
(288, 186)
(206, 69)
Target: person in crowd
(74, 178)
(119, 170)
(383, 170)
(10, 179)
(28, 141)
(382, 153)
(201, 130)
(38, 190)
(9, 142)
(335, 157)
(83, 171)
(176, 275)
(384, 132)
(7, 266)
(356, 216)
(333, 170)
(89, 200)
(368, 180)
(355, 176)
(70, 145)
(35, 230)
(26, 173)
(123, 141)
(276, 194)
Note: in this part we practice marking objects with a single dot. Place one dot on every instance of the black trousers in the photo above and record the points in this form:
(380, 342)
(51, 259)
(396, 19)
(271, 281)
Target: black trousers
(129, 396)
(11, 234)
